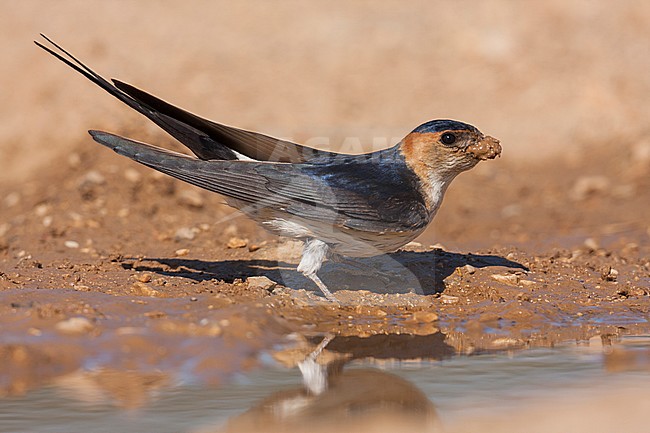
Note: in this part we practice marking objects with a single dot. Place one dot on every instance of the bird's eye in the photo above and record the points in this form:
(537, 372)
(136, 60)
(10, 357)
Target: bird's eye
(448, 138)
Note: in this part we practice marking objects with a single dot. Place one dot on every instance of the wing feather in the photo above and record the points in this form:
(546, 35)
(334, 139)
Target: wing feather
(205, 138)
(369, 203)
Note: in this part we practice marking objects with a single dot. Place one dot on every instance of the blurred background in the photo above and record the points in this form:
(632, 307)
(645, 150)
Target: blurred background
(545, 77)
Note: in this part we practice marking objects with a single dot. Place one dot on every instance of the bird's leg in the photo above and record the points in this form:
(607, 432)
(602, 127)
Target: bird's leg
(321, 346)
(313, 256)
(314, 375)
(323, 288)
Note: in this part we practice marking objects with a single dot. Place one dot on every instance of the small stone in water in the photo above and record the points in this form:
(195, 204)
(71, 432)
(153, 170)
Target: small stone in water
(425, 316)
(74, 325)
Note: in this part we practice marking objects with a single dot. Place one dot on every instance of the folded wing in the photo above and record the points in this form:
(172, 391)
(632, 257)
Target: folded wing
(266, 190)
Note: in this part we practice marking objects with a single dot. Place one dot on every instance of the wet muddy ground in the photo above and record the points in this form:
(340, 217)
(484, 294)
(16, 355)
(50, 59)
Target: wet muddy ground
(121, 282)
(133, 270)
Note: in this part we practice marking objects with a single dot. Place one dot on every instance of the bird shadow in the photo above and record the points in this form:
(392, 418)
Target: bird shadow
(400, 272)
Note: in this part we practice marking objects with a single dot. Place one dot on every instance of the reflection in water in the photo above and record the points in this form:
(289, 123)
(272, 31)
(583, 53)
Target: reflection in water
(633, 354)
(339, 391)
(371, 400)
(125, 389)
(394, 346)
(334, 398)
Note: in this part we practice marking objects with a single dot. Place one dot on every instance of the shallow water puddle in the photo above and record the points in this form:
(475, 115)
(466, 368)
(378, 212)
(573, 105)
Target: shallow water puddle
(381, 383)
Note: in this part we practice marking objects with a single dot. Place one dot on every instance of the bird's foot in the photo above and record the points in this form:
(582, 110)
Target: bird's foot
(323, 288)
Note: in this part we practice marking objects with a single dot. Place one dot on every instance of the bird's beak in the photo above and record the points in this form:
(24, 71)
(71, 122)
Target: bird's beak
(487, 148)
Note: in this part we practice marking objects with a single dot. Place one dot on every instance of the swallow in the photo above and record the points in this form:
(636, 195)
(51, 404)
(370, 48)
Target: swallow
(340, 205)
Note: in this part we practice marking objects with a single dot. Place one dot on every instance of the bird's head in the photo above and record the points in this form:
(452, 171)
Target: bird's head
(444, 148)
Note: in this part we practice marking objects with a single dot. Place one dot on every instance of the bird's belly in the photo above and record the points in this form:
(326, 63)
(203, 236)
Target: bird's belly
(366, 244)
(347, 242)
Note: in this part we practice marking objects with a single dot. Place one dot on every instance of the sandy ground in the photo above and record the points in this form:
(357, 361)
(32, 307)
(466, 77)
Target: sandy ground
(101, 256)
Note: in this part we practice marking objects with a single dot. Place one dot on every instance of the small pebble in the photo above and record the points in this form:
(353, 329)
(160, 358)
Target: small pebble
(213, 329)
(609, 274)
(182, 252)
(511, 279)
(447, 299)
(144, 278)
(71, 244)
(470, 269)
(425, 316)
(261, 282)
(132, 175)
(639, 291)
(74, 160)
(42, 210)
(521, 296)
(631, 247)
(12, 199)
(231, 230)
(587, 186)
(190, 198)
(254, 247)
(35, 332)
(141, 289)
(591, 244)
(74, 325)
(93, 177)
(236, 242)
(511, 210)
(155, 314)
(185, 233)
(506, 342)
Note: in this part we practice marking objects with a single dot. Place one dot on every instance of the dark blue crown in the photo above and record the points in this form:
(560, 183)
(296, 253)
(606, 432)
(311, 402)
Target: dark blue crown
(440, 125)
